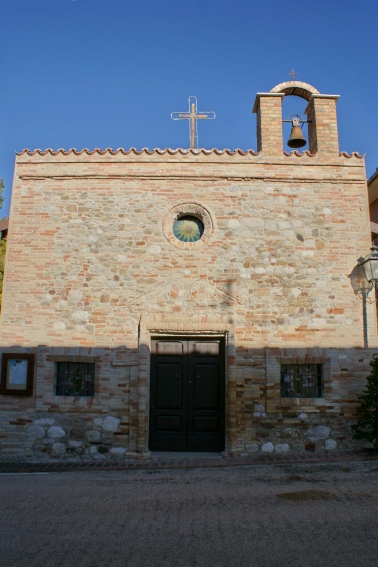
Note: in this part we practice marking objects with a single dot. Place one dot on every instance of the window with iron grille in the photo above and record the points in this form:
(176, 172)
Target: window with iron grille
(301, 380)
(75, 378)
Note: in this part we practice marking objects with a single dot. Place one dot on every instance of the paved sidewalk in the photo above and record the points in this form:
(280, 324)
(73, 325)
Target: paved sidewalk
(188, 461)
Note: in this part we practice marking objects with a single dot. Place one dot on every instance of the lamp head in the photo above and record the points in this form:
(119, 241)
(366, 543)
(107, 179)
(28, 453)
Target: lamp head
(370, 265)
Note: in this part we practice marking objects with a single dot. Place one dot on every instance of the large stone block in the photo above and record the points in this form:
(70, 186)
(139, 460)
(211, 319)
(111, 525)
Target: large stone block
(35, 432)
(93, 435)
(110, 424)
(56, 432)
(58, 449)
(282, 448)
(318, 432)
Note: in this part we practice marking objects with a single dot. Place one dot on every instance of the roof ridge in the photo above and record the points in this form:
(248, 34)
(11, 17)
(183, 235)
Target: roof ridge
(158, 151)
(170, 151)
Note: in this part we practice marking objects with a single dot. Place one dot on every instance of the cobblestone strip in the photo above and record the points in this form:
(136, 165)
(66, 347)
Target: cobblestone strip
(189, 463)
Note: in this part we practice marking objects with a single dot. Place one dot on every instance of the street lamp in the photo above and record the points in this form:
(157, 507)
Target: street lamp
(364, 278)
(370, 266)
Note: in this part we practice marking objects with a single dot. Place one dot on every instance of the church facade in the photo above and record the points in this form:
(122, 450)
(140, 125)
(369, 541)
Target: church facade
(186, 300)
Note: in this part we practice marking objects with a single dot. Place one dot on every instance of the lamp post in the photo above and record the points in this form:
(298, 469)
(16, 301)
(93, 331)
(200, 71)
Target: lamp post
(369, 264)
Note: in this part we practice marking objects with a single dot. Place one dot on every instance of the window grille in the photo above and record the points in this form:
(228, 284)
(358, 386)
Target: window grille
(75, 379)
(301, 380)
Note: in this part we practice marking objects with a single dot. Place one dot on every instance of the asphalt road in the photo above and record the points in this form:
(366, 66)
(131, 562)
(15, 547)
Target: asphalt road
(262, 516)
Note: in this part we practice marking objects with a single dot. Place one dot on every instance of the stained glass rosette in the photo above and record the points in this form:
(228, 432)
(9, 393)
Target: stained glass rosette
(188, 229)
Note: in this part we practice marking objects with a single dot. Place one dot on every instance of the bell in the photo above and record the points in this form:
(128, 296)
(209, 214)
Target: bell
(296, 140)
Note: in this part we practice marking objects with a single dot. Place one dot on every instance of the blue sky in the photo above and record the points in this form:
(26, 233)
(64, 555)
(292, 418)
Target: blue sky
(108, 73)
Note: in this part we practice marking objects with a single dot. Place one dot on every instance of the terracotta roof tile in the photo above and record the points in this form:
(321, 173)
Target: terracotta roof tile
(137, 152)
(165, 151)
(353, 154)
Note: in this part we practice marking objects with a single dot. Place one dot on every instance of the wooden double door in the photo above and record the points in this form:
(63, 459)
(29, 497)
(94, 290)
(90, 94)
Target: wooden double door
(187, 398)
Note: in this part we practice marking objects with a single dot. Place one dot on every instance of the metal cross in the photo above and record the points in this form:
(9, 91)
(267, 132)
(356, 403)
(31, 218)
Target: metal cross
(292, 74)
(193, 115)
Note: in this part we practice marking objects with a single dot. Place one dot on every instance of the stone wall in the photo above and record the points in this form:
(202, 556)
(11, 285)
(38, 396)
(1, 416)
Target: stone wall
(94, 271)
(45, 426)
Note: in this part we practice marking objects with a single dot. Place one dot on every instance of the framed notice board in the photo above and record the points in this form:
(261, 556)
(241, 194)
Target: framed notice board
(17, 374)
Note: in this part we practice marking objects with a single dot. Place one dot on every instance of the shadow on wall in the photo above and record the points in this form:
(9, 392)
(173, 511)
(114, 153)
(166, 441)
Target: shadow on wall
(94, 403)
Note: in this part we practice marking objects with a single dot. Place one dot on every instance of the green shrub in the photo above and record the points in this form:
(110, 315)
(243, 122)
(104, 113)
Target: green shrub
(367, 424)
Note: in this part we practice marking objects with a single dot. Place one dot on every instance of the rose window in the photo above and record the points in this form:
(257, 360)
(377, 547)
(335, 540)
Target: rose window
(188, 228)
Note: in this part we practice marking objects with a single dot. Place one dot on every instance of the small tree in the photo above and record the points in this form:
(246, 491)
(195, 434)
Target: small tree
(367, 424)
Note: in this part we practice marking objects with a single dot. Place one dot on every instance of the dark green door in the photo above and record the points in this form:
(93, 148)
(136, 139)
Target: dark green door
(187, 401)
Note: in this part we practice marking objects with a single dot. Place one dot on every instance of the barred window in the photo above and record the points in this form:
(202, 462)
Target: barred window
(301, 380)
(75, 378)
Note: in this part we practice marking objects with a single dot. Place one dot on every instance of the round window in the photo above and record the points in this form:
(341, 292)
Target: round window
(188, 228)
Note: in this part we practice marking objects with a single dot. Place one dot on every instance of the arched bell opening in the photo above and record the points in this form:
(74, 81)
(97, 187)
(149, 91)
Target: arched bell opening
(294, 124)
(294, 106)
